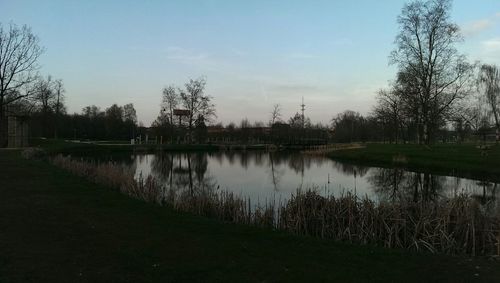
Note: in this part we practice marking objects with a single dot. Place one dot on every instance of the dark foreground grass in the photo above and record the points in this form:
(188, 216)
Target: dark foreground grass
(451, 159)
(56, 227)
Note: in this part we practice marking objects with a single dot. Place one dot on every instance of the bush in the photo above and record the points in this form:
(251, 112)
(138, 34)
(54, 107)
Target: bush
(34, 153)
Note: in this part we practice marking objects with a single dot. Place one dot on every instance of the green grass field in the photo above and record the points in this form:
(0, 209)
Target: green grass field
(56, 227)
(455, 159)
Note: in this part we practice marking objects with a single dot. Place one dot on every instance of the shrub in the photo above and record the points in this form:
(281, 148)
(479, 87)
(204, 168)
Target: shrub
(34, 153)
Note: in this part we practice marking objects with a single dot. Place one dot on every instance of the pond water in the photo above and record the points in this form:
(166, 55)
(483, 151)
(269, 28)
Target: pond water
(274, 176)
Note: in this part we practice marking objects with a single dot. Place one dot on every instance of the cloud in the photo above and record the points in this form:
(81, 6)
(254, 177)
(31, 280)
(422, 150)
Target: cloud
(491, 45)
(300, 55)
(200, 60)
(238, 52)
(186, 55)
(490, 50)
(478, 26)
(294, 88)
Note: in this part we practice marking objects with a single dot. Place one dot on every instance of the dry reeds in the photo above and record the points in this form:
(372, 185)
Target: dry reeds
(454, 226)
(457, 225)
(399, 159)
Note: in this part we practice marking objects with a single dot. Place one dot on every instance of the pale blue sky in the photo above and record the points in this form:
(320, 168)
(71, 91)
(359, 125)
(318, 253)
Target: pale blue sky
(253, 53)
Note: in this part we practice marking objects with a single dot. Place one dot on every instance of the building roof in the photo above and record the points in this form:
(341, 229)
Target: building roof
(181, 112)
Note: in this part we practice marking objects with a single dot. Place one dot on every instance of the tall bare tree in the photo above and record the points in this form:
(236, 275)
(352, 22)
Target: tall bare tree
(389, 111)
(129, 114)
(170, 101)
(19, 52)
(197, 103)
(489, 81)
(299, 121)
(44, 95)
(275, 114)
(59, 103)
(44, 98)
(426, 54)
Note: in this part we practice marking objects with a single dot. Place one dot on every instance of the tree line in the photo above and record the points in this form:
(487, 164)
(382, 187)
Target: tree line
(435, 91)
(435, 87)
(185, 112)
(40, 100)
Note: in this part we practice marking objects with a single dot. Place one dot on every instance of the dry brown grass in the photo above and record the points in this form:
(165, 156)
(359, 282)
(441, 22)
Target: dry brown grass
(455, 226)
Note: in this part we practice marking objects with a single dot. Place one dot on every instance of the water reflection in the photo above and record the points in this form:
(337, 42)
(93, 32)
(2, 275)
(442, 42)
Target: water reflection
(182, 172)
(351, 169)
(263, 176)
(396, 185)
(400, 185)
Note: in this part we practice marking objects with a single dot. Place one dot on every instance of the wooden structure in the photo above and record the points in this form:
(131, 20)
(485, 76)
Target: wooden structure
(181, 113)
(17, 129)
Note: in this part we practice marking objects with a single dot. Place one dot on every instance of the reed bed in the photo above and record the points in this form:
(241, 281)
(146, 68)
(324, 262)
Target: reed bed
(454, 226)
(458, 225)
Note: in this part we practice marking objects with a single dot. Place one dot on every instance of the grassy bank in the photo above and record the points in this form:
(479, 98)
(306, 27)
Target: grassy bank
(61, 146)
(454, 226)
(108, 147)
(56, 227)
(455, 159)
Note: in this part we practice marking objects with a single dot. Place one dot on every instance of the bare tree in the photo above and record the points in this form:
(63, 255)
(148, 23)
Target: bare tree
(275, 114)
(426, 53)
(130, 119)
(245, 123)
(129, 114)
(170, 101)
(197, 103)
(299, 121)
(44, 95)
(489, 81)
(45, 102)
(19, 52)
(389, 111)
(60, 97)
(91, 111)
(59, 103)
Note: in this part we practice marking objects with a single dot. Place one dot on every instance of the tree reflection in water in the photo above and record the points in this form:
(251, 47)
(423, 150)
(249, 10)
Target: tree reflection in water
(288, 171)
(397, 184)
(276, 173)
(351, 169)
(183, 173)
(189, 170)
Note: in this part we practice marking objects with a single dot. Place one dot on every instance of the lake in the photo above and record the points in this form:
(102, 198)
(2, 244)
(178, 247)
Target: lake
(273, 176)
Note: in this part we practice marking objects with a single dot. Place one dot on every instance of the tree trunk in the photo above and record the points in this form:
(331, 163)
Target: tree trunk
(191, 191)
(426, 133)
(3, 124)
(56, 117)
(497, 126)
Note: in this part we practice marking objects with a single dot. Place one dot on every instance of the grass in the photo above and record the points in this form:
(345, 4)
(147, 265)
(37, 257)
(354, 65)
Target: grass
(57, 227)
(464, 160)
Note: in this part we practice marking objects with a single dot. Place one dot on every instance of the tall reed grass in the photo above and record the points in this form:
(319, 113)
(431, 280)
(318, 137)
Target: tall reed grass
(457, 225)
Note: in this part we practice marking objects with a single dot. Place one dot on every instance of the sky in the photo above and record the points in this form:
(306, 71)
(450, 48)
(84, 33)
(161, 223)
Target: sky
(253, 54)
